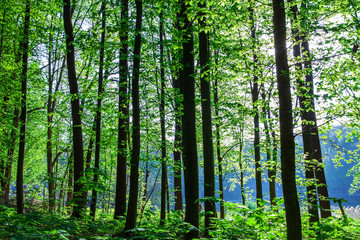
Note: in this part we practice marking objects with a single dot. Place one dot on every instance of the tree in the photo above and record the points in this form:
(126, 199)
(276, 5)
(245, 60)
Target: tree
(98, 110)
(79, 201)
(176, 76)
(20, 165)
(306, 134)
(271, 148)
(292, 209)
(190, 159)
(208, 147)
(120, 197)
(218, 148)
(325, 208)
(162, 124)
(135, 155)
(255, 98)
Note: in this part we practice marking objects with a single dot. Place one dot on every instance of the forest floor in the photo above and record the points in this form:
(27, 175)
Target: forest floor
(241, 222)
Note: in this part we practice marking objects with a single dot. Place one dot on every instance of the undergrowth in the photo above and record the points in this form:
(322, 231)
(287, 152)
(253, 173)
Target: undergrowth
(241, 222)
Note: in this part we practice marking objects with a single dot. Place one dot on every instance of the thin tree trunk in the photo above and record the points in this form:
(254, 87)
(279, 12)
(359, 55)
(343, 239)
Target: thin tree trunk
(49, 153)
(218, 147)
(190, 157)
(268, 149)
(21, 157)
(208, 147)
(135, 155)
(147, 174)
(10, 158)
(178, 128)
(325, 208)
(273, 166)
(120, 195)
(292, 209)
(61, 194)
(306, 133)
(255, 97)
(98, 111)
(162, 124)
(241, 166)
(70, 193)
(79, 193)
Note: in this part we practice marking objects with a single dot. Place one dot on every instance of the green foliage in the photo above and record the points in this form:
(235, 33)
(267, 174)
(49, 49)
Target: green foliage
(241, 222)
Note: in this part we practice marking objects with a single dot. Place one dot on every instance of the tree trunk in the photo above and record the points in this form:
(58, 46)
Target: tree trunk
(70, 193)
(79, 197)
(49, 153)
(135, 155)
(21, 157)
(306, 128)
(273, 166)
(120, 196)
(208, 147)
(255, 97)
(241, 166)
(190, 157)
(218, 147)
(269, 163)
(325, 208)
(61, 194)
(98, 111)
(292, 209)
(162, 124)
(178, 129)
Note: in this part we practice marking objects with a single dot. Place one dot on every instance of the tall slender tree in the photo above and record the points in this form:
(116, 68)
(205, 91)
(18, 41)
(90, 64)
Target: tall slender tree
(177, 75)
(120, 197)
(323, 194)
(98, 109)
(24, 77)
(270, 158)
(135, 155)
(78, 149)
(218, 146)
(292, 209)
(304, 112)
(162, 123)
(255, 97)
(208, 147)
(49, 152)
(190, 157)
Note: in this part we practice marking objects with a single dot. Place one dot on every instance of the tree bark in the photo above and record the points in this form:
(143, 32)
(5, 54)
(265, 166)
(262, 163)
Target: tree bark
(255, 97)
(98, 111)
(135, 155)
(178, 128)
(325, 208)
(79, 197)
(306, 128)
(120, 196)
(190, 157)
(10, 157)
(292, 209)
(218, 147)
(162, 124)
(272, 167)
(208, 147)
(269, 163)
(49, 153)
(21, 157)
